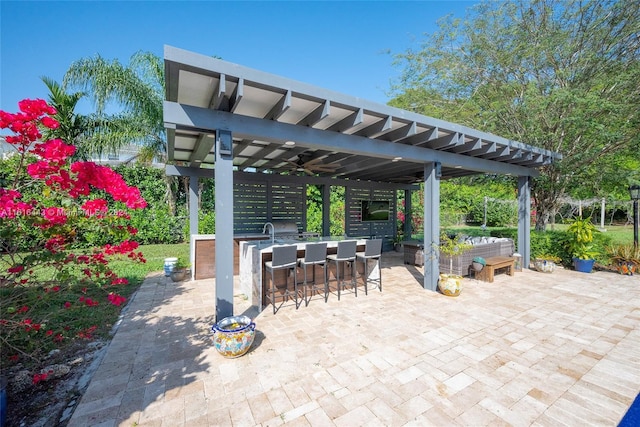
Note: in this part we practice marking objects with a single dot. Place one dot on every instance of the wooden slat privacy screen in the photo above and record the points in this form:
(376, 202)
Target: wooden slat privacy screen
(289, 203)
(355, 227)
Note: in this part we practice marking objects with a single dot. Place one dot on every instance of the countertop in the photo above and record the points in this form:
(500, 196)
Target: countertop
(265, 245)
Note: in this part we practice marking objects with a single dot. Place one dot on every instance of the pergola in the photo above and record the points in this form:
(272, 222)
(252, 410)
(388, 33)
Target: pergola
(227, 117)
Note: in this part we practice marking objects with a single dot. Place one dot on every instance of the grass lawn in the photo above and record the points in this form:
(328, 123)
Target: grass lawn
(620, 234)
(155, 255)
(63, 314)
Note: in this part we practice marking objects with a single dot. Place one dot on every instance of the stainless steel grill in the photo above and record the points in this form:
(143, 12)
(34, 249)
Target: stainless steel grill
(288, 230)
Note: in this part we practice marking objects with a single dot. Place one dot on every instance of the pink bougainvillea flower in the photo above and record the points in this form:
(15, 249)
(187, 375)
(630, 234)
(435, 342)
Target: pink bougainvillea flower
(54, 150)
(95, 207)
(54, 216)
(116, 299)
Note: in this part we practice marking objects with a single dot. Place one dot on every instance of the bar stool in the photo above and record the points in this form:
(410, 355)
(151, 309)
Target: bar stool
(284, 258)
(372, 251)
(346, 255)
(314, 254)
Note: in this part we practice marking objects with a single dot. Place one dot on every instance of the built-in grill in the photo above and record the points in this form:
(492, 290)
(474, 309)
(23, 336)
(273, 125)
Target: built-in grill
(287, 230)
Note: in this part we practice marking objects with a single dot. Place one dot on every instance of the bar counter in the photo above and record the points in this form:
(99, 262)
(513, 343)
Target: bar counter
(253, 255)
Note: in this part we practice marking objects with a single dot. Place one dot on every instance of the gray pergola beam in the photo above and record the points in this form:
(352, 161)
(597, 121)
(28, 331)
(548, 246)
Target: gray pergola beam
(219, 93)
(376, 129)
(280, 108)
(236, 96)
(352, 120)
(277, 132)
(316, 115)
(203, 147)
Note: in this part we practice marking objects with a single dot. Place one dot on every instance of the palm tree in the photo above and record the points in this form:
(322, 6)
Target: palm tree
(138, 91)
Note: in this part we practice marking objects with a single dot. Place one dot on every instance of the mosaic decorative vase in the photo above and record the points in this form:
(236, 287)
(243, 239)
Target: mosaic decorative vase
(544, 266)
(233, 336)
(450, 284)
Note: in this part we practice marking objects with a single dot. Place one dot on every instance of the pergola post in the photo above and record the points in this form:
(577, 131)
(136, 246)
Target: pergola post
(224, 224)
(326, 210)
(408, 213)
(524, 220)
(431, 224)
(194, 198)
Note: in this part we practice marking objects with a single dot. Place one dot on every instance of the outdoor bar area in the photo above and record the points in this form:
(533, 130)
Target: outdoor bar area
(265, 138)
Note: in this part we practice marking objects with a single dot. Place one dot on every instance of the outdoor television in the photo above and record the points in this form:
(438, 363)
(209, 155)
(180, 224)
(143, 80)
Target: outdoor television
(376, 210)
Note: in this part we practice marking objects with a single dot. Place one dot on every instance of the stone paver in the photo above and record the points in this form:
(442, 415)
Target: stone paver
(533, 349)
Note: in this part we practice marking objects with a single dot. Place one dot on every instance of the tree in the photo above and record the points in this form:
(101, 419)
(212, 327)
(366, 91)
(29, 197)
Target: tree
(558, 75)
(138, 91)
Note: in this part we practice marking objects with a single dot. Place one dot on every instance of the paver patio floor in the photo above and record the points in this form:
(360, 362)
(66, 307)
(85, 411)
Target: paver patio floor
(533, 349)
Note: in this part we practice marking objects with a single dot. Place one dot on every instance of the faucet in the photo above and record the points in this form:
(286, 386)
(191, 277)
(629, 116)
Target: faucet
(273, 232)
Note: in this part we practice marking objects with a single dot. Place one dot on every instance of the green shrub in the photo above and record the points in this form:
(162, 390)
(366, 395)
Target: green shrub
(156, 225)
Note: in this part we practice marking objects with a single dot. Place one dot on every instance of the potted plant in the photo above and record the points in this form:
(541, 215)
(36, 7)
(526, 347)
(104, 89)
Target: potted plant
(451, 284)
(397, 242)
(180, 269)
(478, 264)
(625, 258)
(546, 263)
(580, 244)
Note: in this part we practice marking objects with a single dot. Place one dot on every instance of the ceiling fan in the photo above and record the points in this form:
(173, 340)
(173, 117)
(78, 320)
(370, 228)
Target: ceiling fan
(409, 179)
(312, 166)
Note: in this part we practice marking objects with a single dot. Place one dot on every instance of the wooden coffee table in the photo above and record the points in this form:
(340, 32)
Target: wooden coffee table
(496, 263)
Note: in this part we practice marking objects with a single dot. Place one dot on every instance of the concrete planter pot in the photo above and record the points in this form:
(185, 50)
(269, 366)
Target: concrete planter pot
(178, 275)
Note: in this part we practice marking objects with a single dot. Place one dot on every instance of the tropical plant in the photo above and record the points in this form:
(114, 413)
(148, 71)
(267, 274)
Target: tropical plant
(181, 264)
(136, 89)
(580, 238)
(623, 254)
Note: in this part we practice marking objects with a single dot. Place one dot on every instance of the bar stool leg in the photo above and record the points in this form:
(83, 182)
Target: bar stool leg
(338, 277)
(273, 293)
(366, 276)
(354, 274)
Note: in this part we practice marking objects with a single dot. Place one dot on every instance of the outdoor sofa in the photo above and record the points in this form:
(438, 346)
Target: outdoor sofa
(485, 247)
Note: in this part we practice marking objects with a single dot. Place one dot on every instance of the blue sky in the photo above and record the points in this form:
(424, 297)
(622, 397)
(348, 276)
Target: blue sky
(335, 45)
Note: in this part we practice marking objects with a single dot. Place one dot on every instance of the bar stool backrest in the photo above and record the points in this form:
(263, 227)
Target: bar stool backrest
(346, 249)
(284, 256)
(373, 248)
(315, 252)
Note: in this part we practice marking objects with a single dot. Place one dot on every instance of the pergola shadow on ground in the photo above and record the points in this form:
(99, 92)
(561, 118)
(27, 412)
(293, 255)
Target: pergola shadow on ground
(533, 349)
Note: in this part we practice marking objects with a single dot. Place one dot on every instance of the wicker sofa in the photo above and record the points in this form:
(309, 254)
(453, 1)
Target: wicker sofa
(485, 247)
